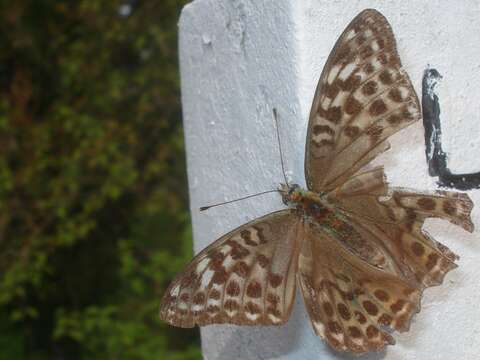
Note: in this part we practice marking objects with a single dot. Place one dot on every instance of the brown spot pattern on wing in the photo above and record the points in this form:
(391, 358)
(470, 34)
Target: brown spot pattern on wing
(367, 300)
(362, 88)
(228, 282)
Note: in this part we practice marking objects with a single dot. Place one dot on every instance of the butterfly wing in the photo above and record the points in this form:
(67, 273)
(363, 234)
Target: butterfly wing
(396, 221)
(363, 97)
(247, 277)
(363, 271)
(370, 182)
(352, 304)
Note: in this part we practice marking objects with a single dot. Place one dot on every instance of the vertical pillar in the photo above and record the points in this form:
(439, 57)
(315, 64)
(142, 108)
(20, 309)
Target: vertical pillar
(242, 58)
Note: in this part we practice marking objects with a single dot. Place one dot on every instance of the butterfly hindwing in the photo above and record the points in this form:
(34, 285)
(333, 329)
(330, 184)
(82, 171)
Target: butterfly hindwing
(352, 304)
(247, 277)
(372, 182)
(449, 205)
(396, 219)
(363, 97)
(362, 270)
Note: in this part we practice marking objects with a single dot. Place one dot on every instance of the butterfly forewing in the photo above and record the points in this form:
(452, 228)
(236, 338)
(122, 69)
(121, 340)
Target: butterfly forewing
(246, 277)
(363, 97)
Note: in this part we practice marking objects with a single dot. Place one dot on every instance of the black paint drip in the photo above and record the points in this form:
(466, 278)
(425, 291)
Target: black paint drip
(436, 157)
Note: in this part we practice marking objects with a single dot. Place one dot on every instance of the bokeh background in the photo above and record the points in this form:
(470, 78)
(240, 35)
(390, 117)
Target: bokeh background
(94, 216)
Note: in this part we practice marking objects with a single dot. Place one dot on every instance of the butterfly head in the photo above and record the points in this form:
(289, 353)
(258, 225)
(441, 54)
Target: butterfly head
(291, 193)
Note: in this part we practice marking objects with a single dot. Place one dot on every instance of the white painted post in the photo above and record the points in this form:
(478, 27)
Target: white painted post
(241, 58)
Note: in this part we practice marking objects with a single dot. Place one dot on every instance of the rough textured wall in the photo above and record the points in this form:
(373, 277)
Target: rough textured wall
(239, 59)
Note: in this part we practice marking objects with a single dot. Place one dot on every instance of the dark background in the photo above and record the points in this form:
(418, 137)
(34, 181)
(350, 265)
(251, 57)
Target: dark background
(93, 203)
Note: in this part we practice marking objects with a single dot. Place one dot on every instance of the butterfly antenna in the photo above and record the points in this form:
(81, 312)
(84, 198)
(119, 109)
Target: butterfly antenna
(280, 145)
(203, 208)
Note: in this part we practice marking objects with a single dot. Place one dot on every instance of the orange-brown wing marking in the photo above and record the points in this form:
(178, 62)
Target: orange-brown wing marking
(247, 277)
(363, 97)
(352, 304)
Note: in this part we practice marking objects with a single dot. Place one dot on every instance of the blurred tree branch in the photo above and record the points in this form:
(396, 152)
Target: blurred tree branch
(93, 200)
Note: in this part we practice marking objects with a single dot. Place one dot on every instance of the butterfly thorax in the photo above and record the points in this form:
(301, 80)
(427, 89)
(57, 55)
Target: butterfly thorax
(317, 208)
(310, 203)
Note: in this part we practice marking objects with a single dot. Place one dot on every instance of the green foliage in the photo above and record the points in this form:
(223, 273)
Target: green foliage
(93, 204)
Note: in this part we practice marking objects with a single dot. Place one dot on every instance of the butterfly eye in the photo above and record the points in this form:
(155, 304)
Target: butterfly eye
(293, 188)
(292, 195)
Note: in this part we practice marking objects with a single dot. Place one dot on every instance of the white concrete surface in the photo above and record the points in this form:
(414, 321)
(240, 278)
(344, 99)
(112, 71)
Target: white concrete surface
(241, 58)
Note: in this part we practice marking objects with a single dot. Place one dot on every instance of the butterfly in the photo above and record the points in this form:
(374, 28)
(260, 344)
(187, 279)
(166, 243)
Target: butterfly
(354, 246)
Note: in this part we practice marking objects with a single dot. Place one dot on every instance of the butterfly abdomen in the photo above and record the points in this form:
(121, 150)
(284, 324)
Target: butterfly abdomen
(318, 211)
